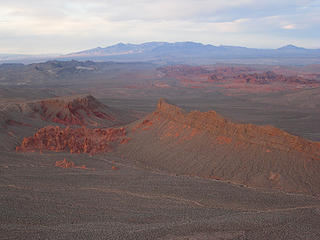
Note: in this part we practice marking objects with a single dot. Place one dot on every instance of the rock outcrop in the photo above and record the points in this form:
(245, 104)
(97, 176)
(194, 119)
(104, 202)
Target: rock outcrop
(270, 77)
(69, 164)
(239, 79)
(74, 110)
(74, 140)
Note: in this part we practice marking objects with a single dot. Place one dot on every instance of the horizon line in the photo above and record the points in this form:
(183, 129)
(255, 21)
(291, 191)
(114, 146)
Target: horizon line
(129, 43)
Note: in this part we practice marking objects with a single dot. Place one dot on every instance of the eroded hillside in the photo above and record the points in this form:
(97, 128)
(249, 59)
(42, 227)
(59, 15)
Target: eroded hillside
(22, 119)
(201, 144)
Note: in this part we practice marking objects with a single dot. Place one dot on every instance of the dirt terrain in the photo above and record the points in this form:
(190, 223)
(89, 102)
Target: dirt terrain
(42, 201)
(119, 164)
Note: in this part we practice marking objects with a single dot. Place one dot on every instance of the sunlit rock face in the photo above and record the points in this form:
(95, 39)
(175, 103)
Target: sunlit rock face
(74, 140)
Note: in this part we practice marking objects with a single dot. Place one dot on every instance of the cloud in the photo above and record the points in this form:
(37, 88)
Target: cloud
(38, 26)
(289, 27)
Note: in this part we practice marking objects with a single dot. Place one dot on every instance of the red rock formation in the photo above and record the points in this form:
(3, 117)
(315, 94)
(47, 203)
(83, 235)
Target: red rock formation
(227, 131)
(114, 168)
(65, 164)
(68, 164)
(144, 125)
(125, 140)
(75, 110)
(75, 140)
(238, 79)
(270, 77)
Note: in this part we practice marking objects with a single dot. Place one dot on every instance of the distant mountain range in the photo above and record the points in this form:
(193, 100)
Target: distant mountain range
(195, 53)
(185, 53)
(164, 48)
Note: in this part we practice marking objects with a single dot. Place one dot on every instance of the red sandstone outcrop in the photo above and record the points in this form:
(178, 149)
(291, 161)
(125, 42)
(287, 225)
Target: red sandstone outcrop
(270, 77)
(74, 140)
(68, 164)
(238, 78)
(65, 164)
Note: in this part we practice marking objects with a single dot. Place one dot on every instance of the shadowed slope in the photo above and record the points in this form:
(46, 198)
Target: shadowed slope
(70, 110)
(207, 145)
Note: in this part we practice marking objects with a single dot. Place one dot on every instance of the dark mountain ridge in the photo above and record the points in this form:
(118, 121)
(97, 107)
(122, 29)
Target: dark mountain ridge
(182, 53)
(162, 47)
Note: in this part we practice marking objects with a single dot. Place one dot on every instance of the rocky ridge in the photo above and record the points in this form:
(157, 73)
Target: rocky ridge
(210, 146)
(215, 124)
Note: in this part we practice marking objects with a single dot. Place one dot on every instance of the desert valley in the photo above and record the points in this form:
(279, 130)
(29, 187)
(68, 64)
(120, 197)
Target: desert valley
(148, 149)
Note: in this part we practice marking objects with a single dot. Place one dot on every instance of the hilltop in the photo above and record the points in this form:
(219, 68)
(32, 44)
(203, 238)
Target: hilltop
(208, 145)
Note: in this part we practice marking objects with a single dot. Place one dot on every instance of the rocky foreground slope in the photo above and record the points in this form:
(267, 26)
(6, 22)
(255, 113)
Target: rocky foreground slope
(201, 144)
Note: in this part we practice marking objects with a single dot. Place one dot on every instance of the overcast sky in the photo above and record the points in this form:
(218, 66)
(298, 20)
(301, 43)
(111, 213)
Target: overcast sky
(63, 26)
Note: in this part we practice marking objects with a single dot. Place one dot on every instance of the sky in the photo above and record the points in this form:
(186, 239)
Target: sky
(64, 26)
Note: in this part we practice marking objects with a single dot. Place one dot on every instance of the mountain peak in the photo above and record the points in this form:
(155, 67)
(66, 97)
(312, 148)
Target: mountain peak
(121, 44)
(202, 120)
(291, 47)
(164, 106)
